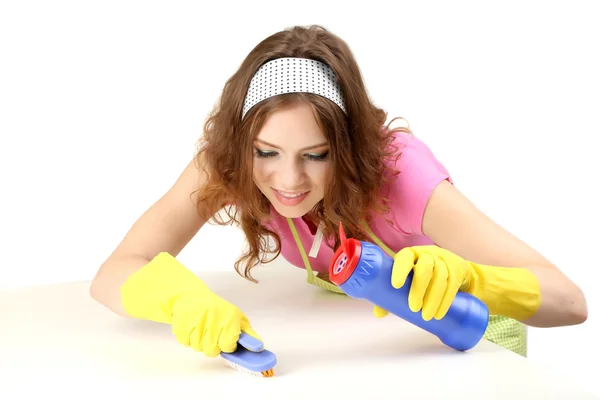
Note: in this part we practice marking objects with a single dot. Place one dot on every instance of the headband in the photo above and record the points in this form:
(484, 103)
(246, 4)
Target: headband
(293, 75)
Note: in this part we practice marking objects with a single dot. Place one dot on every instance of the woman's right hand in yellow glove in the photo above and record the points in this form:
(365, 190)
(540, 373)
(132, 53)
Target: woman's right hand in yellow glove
(165, 291)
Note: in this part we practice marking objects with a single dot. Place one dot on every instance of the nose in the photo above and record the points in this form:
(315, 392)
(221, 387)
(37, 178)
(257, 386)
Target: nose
(291, 175)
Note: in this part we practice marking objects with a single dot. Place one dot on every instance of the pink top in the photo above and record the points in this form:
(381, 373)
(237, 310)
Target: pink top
(420, 173)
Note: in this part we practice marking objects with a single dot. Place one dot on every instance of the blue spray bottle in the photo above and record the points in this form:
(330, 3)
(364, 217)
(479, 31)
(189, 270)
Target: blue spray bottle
(363, 271)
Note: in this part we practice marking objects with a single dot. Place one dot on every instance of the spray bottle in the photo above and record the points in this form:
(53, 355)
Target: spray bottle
(363, 271)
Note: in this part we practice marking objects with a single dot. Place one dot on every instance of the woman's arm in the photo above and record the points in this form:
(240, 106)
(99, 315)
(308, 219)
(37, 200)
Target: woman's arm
(167, 226)
(455, 224)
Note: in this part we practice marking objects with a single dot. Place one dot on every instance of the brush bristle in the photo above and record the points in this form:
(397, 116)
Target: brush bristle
(267, 374)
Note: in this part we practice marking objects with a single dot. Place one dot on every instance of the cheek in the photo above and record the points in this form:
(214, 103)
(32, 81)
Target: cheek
(261, 170)
(318, 173)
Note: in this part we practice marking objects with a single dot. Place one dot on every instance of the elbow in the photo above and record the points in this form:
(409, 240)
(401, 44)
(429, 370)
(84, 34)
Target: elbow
(580, 312)
(565, 309)
(577, 306)
(100, 284)
(97, 289)
(94, 291)
(577, 316)
(581, 317)
(566, 304)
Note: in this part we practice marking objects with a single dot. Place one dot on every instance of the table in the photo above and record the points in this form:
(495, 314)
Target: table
(56, 340)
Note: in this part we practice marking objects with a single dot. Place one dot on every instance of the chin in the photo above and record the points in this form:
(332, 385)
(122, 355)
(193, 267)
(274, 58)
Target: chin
(296, 211)
(290, 212)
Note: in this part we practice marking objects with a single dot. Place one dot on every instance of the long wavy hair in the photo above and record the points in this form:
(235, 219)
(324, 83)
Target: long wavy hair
(359, 145)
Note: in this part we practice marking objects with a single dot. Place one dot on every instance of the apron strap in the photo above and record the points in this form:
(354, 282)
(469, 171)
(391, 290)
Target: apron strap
(376, 239)
(309, 270)
(311, 275)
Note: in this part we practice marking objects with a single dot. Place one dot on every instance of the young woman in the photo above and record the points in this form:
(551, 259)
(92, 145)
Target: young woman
(294, 147)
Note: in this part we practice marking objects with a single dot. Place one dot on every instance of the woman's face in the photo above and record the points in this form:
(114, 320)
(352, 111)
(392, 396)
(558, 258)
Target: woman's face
(291, 161)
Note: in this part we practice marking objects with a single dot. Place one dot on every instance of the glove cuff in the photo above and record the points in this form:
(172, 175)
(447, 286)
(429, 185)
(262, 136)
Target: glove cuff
(510, 292)
(150, 292)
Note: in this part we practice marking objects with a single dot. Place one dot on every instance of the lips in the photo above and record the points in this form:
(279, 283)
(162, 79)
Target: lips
(290, 195)
(290, 198)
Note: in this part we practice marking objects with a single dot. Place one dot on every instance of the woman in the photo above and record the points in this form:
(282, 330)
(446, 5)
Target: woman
(293, 148)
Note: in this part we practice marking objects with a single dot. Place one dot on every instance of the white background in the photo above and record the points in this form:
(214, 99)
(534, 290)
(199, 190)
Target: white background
(101, 104)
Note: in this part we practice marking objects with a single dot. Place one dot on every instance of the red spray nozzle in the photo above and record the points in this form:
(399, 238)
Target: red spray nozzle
(345, 259)
(344, 243)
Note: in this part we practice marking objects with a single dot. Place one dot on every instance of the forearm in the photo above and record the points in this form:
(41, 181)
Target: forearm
(562, 302)
(106, 286)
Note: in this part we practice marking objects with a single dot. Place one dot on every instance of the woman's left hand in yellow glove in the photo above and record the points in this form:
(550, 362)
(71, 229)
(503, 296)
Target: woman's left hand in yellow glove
(438, 276)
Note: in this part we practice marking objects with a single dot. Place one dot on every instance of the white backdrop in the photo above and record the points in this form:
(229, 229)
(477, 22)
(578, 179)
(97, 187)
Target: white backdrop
(101, 104)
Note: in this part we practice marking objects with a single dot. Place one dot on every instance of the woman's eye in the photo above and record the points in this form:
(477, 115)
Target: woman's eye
(309, 156)
(318, 157)
(265, 154)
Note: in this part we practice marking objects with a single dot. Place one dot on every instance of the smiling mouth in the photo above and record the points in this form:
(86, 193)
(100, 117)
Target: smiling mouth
(290, 195)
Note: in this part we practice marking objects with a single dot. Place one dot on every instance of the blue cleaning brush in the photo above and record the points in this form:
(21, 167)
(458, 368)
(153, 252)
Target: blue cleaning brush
(249, 358)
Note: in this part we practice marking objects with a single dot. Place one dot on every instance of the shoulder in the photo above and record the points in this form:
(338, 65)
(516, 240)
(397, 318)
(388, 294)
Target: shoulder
(419, 172)
(414, 155)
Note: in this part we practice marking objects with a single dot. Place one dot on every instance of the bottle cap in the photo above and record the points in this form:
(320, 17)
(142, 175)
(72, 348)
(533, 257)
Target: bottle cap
(345, 259)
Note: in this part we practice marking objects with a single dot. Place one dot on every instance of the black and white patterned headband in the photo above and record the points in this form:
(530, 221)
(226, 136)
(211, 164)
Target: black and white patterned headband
(293, 75)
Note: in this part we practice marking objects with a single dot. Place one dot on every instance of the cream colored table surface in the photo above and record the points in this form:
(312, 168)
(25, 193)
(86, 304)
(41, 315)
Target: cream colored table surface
(55, 340)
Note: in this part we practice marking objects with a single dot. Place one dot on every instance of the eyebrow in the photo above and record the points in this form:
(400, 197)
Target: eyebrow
(306, 148)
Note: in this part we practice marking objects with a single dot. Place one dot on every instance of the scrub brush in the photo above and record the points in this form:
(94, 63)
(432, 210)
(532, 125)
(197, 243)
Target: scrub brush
(249, 358)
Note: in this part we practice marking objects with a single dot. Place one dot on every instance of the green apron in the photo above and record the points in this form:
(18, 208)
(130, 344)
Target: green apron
(503, 331)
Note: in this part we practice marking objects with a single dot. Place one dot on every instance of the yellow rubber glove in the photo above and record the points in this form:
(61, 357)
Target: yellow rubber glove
(439, 274)
(165, 291)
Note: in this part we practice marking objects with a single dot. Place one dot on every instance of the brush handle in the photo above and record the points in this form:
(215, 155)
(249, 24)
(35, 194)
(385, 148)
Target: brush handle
(251, 355)
(250, 342)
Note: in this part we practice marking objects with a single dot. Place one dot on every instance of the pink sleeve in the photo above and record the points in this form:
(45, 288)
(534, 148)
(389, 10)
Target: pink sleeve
(420, 173)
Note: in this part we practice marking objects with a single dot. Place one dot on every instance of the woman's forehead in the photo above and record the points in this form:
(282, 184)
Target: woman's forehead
(292, 128)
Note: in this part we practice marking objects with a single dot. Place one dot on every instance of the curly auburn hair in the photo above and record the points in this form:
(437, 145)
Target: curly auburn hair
(359, 146)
